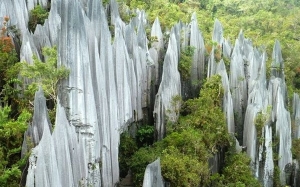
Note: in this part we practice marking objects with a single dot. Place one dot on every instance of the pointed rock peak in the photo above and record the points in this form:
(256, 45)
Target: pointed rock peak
(194, 17)
(221, 66)
(156, 21)
(60, 114)
(152, 175)
(156, 28)
(277, 61)
(218, 32)
(157, 35)
(241, 36)
(40, 108)
(277, 56)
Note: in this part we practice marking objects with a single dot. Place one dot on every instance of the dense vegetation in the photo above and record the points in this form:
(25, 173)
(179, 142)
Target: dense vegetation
(18, 83)
(199, 134)
(261, 21)
(200, 131)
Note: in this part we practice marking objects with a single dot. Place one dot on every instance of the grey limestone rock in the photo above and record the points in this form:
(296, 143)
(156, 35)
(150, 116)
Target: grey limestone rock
(277, 61)
(46, 172)
(169, 88)
(296, 115)
(28, 48)
(152, 176)
(198, 63)
(227, 48)
(33, 3)
(111, 85)
(238, 87)
(212, 65)
(227, 105)
(283, 132)
(156, 32)
(269, 164)
(34, 133)
(218, 33)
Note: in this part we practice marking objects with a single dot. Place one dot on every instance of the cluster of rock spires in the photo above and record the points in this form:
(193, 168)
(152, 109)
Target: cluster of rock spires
(113, 82)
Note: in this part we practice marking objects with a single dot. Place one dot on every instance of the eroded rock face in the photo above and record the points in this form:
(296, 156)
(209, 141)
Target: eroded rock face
(198, 64)
(169, 88)
(40, 121)
(152, 176)
(108, 87)
(113, 81)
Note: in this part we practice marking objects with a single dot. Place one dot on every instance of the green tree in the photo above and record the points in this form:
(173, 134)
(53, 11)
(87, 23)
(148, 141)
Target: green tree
(39, 74)
(11, 138)
(43, 74)
(195, 138)
(38, 15)
(185, 62)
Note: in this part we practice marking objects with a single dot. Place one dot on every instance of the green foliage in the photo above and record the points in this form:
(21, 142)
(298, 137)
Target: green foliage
(124, 12)
(261, 21)
(11, 138)
(185, 151)
(183, 169)
(10, 177)
(276, 177)
(237, 172)
(139, 162)
(167, 12)
(45, 74)
(178, 151)
(14, 117)
(127, 148)
(7, 60)
(145, 135)
(188, 141)
(39, 74)
(260, 120)
(205, 113)
(38, 15)
(296, 149)
(185, 62)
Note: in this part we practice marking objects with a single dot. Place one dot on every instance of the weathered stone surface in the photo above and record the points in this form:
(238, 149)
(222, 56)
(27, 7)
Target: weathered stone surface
(169, 88)
(296, 116)
(40, 120)
(269, 164)
(238, 87)
(198, 64)
(152, 176)
(227, 100)
(157, 35)
(111, 85)
(218, 33)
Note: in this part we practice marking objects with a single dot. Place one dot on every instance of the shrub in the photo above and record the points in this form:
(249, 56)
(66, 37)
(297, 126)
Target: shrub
(185, 62)
(145, 135)
(127, 148)
(38, 15)
(139, 162)
(11, 138)
(183, 169)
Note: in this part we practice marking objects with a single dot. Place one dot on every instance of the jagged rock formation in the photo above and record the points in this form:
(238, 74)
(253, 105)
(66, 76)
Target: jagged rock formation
(107, 88)
(57, 153)
(113, 82)
(168, 89)
(198, 64)
(152, 175)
